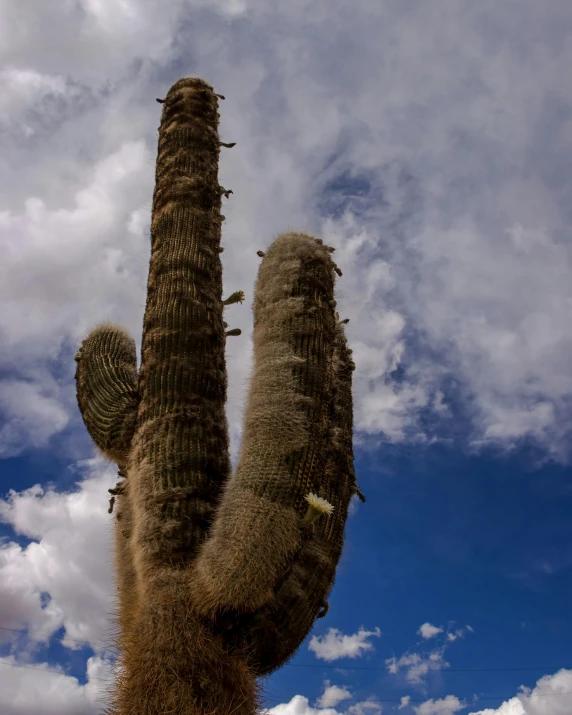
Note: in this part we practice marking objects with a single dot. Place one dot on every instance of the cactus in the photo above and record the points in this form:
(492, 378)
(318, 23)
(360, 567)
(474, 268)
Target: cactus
(220, 576)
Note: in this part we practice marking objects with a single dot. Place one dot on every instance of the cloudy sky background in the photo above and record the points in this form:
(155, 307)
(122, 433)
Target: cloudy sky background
(431, 144)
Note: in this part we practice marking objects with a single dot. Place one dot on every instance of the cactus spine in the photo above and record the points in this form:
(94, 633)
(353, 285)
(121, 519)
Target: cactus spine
(220, 576)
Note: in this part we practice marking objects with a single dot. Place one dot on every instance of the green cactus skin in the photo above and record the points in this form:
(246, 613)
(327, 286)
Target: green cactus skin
(220, 578)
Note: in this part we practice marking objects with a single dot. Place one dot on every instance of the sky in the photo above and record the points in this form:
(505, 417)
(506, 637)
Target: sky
(430, 143)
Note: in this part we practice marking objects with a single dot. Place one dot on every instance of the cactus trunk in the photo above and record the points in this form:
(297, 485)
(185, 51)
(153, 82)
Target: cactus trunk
(220, 575)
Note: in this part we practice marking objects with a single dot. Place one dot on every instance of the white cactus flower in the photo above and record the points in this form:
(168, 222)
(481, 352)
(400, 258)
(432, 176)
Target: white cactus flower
(316, 507)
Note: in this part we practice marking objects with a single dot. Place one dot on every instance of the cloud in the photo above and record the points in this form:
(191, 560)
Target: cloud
(459, 633)
(28, 692)
(367, 707)
(405, 700)
(29, 415)
(63, 577)
(297, 706)
(444, 706)
(332, 695)
(429, 631)
(455, 254)
(552, 695)
(417, 665)
(334, 645)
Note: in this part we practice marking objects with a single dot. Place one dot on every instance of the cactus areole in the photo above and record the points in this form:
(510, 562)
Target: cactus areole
(220, 575)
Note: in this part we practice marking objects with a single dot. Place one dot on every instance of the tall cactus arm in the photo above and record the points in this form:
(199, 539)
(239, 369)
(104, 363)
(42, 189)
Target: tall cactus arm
(273, 634)
(258, 524)
(180, 453)
(106, 383)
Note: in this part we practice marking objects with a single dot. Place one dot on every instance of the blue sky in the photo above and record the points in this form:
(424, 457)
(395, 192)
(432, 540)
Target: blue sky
(431, 145)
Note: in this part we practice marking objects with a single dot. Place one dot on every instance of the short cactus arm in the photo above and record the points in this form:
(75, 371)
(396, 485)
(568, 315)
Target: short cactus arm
(258, 526)
(106, 382)
(180, 454)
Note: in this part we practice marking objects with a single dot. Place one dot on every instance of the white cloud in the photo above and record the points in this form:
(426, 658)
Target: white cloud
(334, 645)
(405, 700)
(25, 691)
(458, 633)
(367, 707)
(552, 695)
(332, 695)
(510, 707)
(67, 559)
(444, 706)
(297, 706)
(417, 665)
(429, 631)
(445, 237)
(30, 417)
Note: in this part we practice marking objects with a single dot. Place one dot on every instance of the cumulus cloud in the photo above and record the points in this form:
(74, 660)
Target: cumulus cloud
(443, 706)
(62, 578)
(30, 414)
(334, 644)
(455, 255)
(27, 691)
(332, 695)
(298, 706)
(427, 630)
(417, 665)
(552, 695)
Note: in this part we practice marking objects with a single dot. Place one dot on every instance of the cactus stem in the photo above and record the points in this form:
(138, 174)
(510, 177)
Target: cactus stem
(236, 297)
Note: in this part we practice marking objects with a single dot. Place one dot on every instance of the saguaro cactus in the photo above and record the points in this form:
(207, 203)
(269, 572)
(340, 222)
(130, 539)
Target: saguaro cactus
(220, 576)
